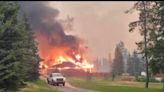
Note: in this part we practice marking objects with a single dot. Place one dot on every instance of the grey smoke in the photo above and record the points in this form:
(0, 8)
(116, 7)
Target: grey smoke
(43, 19)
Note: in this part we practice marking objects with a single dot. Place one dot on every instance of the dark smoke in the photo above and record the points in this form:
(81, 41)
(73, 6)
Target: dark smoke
(44, 19)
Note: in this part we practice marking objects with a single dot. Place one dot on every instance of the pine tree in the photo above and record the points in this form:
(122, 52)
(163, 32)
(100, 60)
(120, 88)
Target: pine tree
(118, 64)
(156, 61)
(31, 63)
(135, 65)
(151, 26)
(19, 60)
(10, 43)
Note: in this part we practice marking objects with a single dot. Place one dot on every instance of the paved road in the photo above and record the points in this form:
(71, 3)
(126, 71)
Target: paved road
(70, 88)
(67, 87)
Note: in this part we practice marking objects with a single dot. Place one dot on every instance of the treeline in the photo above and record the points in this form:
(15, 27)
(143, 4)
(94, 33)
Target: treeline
(135, 65)
(151, 26)
(124, 62)
(19, 60)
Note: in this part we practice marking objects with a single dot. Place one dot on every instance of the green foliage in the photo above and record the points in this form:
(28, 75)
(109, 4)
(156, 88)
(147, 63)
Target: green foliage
(38, 86)
(143, 79)
(157, 62)
(155, 32)
(31, 58)
(10, 39)
(162, 80)
(18, 53)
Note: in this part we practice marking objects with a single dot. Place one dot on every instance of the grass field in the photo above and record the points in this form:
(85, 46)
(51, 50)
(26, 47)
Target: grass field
(38, 86)
(101, 85)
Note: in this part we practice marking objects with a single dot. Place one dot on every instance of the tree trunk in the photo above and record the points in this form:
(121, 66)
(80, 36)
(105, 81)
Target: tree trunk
(163, 84)
(145, 40)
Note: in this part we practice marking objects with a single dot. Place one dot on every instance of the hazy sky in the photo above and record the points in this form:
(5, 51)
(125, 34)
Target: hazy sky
(101, 24)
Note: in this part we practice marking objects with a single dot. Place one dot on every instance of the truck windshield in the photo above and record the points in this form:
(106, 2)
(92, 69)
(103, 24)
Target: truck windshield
(57, 74)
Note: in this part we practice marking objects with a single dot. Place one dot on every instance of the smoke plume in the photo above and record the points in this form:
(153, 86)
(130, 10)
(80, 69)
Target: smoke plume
(48, 30)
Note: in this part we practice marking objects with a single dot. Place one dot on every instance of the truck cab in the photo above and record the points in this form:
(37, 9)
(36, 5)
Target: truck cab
(56, 79)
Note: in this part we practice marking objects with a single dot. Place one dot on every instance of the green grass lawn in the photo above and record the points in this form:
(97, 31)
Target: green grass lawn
(101, 85)
(38, 86)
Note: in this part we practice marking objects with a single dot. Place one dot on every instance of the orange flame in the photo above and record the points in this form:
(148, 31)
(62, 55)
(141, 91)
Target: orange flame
(79, 65)
(57, 55)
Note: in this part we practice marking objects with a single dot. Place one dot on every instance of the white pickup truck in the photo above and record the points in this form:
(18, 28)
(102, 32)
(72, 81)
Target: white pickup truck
(56, 79)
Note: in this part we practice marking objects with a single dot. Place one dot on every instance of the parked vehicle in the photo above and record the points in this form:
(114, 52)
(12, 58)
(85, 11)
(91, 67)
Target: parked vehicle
(56, 79)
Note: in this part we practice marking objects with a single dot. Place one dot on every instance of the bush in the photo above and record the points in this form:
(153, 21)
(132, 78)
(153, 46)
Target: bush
(140, 79)
(143, 79)
(153, 80)
(162, 80)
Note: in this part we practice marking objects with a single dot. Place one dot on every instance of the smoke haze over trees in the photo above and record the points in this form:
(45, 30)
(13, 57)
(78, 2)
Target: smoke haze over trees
(135, 64)
(124, 62)
(118, 63)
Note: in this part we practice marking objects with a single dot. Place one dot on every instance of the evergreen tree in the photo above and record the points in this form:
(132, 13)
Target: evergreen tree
(118, 64)
(19, 60)
(31, 62)
(10, 40)
(156, 61)
(151, 26)
(135, 65)
(130, 65)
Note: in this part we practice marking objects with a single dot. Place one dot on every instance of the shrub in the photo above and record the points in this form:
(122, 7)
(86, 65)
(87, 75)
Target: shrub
(143, 79)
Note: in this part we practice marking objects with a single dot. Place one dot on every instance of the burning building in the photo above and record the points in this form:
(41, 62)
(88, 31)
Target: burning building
(54, 45)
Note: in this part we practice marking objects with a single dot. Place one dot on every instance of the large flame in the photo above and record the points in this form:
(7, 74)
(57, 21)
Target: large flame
(55, 45)
(59, 54)
(81, 64)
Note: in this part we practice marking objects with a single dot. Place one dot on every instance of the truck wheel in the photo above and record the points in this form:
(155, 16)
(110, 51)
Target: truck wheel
(52, 83)
(57, 84)
(48, 81)
(63, 84)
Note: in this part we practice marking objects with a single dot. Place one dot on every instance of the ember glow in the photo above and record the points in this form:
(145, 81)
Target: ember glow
(53, 55)
(82, 64)
(78, 61)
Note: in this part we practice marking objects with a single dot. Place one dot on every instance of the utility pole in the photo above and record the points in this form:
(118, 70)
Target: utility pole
(145, 40)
